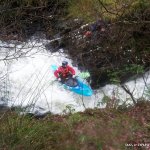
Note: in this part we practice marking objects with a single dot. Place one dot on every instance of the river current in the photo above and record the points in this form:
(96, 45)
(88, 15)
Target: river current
(27, 81)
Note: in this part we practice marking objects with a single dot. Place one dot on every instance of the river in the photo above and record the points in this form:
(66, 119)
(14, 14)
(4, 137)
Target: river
(27, 81)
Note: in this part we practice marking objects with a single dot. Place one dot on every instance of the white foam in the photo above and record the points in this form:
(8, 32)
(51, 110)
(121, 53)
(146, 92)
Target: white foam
(29, 81)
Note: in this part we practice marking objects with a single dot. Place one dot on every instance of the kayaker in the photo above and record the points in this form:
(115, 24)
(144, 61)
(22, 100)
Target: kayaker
(64, 72)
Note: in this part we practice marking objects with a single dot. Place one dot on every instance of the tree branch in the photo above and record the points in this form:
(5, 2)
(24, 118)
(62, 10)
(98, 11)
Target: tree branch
(128, 91)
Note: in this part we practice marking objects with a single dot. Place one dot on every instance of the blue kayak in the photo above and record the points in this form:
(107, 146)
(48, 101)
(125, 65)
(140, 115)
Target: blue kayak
(76, 85)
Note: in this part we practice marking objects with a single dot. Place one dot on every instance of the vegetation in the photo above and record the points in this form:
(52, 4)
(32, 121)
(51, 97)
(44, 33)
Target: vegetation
(20, 19)
(93, 129)
(115, 51)
(120, 42)
(90, 10)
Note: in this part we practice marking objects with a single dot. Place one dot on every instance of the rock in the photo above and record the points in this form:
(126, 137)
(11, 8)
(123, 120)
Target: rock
(4, 108)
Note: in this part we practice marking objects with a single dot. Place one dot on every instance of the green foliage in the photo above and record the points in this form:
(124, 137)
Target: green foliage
(90, 10)
(147, 92)
(82, 138)
(114, 77)
(28, 133)
(104, 101)
(83, 9)
(134, 68)
(140, 5)
(69, 109)
(115, 74)
(76, 118)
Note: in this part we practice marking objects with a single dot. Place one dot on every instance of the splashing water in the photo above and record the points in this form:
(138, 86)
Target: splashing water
(28, 81)
(31, 83)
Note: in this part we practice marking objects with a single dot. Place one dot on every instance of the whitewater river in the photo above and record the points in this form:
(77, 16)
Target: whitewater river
(28, 81)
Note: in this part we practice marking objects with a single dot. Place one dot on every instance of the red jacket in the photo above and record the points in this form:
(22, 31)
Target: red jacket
(63, 72)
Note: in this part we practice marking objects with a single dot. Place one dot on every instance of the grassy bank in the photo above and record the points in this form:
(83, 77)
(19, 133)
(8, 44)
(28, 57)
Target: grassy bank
(96, 129)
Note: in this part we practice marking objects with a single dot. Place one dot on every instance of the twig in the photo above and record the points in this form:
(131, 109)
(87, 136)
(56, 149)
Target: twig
(128, 91)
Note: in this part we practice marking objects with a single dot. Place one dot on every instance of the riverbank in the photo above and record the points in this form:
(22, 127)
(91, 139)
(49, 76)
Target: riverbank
(107, 128)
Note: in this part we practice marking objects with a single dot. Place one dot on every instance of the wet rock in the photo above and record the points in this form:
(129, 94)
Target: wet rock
(38, 115)
(4, 108)
(55, 44)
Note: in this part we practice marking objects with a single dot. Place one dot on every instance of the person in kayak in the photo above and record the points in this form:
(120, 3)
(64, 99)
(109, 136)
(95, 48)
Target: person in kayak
(64, 72)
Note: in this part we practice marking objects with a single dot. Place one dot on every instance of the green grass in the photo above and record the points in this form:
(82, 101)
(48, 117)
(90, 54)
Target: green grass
(92, 129)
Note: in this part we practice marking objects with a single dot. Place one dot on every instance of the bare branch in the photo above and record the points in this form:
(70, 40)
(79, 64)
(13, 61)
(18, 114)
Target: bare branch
(128, 91)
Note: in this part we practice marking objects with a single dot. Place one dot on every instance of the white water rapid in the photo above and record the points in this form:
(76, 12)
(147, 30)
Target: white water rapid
(28, 81)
